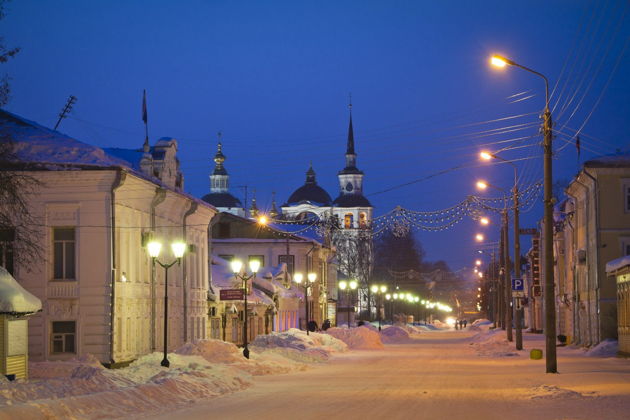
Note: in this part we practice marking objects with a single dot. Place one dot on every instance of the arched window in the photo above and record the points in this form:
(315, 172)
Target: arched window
(348, 221)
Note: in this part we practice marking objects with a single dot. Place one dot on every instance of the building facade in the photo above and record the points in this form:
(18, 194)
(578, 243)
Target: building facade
(101, 294)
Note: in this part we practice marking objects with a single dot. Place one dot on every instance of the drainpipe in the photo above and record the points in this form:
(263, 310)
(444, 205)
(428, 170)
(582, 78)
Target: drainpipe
(159, 197)
(119, 179)
(191, 210)
(597, 283)
(576, 299)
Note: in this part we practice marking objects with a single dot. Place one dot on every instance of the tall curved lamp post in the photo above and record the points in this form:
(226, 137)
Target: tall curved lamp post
(178, 248)
(348, 287)
(299, 279)
(550, 303)
(237, 266)
(378, 291)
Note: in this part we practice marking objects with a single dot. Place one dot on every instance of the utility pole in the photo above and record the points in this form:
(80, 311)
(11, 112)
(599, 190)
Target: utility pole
(506, 278)
(550, 304)
(500, 292)
(66, 109)
(517, 271)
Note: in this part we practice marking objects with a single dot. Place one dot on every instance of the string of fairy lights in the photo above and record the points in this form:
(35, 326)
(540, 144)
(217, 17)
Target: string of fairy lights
(399, 221)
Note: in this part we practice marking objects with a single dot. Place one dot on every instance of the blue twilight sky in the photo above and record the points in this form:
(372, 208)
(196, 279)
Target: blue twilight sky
(274, 77)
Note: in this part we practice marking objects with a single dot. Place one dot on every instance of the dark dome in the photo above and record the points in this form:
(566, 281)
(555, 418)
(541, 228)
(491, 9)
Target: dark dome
(351, 200)
(310, 193)
(222, 200)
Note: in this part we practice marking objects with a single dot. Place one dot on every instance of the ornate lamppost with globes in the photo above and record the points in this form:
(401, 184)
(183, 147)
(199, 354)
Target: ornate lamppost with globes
(237, 266)
(178, 248)
(378, 291)
(348, 287)
(299, 279)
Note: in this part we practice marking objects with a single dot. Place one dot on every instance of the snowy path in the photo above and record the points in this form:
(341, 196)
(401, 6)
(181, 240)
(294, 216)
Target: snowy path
(438, 375)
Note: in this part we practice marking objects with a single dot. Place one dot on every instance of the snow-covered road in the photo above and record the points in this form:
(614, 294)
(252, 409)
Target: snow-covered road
(438, 375)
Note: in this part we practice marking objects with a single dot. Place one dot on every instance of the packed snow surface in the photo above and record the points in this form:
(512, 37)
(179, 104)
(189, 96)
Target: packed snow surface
(607, 348)
(14, 298)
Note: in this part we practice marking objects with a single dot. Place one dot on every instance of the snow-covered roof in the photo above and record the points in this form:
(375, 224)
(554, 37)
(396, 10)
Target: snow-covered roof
(38, 144)
(615, 265)
(618, 160)
(14, 299)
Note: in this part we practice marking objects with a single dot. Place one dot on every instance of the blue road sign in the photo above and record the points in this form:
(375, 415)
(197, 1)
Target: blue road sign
(517, 285)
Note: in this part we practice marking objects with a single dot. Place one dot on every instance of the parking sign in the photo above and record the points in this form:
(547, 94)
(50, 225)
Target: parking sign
(517, 285)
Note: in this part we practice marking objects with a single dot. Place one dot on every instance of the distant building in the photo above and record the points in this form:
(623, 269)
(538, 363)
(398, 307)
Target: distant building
(348, 217)
(220, 196)
(97, 209)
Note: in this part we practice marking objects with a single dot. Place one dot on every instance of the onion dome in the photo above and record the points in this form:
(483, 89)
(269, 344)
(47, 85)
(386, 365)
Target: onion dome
(310, 192)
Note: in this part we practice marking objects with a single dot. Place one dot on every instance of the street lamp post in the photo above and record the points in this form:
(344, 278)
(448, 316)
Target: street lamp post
(298, 278)
(237, 266)
(550, 304)
(517, 247)
(507, 289)
(378, 292)
(178, 248)
(348, 287)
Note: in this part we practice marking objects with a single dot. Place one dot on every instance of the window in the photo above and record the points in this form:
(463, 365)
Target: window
(224, 230)
(7, 236)
(625, 246)
(63, 253)
(362, 220)
(64, 337)
(626, 195)
(226, 257)
(259, 258)
(348, 221)
(289, 261)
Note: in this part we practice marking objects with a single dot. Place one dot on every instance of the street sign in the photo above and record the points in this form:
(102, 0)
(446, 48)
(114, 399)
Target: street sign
(517, 284)
(231, 294)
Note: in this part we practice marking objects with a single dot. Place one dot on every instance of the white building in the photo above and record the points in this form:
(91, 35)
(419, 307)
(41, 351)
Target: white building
(97, 209)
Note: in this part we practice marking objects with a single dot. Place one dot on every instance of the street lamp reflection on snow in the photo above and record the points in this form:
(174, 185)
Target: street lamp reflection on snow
(237, 266)
(298, 278)
(348, 287)
(178, 248)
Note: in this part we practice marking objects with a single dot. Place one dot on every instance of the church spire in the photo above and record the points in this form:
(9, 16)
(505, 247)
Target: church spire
(219, 180)
(350, 148)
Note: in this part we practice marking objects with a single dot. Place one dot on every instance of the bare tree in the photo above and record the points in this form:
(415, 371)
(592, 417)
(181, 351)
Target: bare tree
(6, 54)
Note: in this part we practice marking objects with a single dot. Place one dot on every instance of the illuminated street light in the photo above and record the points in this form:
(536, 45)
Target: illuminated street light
(484, 221)
(482, 185)
(479, 237)
(348, 287)
(478, 262)
(298, 277)
(178, 248)
(237, 266)
(378, 290)
(263, 220)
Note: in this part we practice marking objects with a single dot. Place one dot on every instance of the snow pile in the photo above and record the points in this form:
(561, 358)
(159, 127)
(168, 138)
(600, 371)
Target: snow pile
(607, 348)
(481, 321)
(14, 298)
(395, 334)
(357, 338)
(296, 345)
(442, 325)
(493, 344)
(550, 392)
(370, 326)
(82, 388)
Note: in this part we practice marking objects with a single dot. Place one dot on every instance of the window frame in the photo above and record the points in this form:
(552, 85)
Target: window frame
(290, 261)
(62, 337)
(64, 257)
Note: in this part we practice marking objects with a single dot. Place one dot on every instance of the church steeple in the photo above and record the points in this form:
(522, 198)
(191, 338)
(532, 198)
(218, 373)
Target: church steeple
(350, 177)
(219, 180)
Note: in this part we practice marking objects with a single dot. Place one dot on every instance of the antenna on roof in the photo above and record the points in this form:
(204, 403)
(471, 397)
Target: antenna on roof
(66, 109)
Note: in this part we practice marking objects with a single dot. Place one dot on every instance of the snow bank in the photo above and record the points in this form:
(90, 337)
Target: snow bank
(551, 392)
(82, 388)
(607, 348)
(493, 343)
(357, 338)
(296, 345)
(395, 334)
